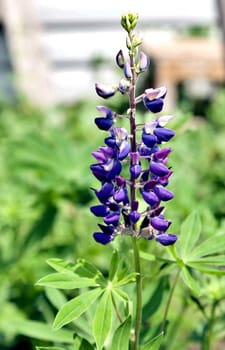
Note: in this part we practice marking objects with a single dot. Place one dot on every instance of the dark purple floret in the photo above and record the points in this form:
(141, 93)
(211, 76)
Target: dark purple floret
(98, 172)
(162, 193)
(134, 216)
(161, 154)
(163, 134)
(158, 168)
(150, 198)
(105, 192)
(154, 106)
(100, 210)
(121, 195)
(149, 139)
(102, 238)
(112, 218)
(104, 123)
(166, 239)
(159, 223)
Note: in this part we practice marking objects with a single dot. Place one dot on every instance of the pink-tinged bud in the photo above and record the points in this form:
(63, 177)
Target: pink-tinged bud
(120, 59)
(127, 70)
(153, 94)
(104, 91)
(144, 61)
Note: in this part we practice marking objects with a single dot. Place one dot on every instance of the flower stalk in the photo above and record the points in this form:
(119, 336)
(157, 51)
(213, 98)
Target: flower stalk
(141, 149)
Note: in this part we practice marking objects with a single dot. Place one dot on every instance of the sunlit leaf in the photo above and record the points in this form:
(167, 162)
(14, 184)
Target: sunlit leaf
(42, 331)
(147, 256)
(102, 319)
(127, 279)
(213, 245)
(113, 265)
(120, 294)
(190, 281)
(60, 265)
(66, 280)
(189, 234)
(75, 307)
(56, 297)
(121, 336)
(207, 269)
(212, 260)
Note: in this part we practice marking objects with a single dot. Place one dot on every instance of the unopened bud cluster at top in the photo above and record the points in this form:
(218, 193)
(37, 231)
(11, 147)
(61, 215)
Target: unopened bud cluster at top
(142, 148)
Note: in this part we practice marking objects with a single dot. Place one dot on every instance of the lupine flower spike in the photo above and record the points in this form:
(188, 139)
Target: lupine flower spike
(143, 149)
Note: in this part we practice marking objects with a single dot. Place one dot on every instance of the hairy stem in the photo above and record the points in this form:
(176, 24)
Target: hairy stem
(133, 197)
(138, 293)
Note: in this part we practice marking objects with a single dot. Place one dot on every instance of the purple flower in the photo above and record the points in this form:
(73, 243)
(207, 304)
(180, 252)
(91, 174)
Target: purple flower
(163, 193)
(158, 168)
(103, 238)
(120, 59)
(154, 99)
(166, 239)
(130, 162)
(159, 223)
(100, 210)
(127, 70)
(104, 91)
(144, 61)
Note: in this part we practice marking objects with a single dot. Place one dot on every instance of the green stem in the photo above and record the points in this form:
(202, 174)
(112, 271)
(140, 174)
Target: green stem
(169, 301)
(116, 309)
(138, 294)
(209, 332)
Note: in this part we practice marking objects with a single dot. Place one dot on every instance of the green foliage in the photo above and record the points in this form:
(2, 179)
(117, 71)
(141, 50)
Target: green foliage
(44, 185)
(121, 336)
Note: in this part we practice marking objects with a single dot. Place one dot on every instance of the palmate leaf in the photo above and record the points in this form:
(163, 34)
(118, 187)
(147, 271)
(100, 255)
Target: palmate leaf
(113, 265)
(154, 344)
(42, 331)
(206, 269)
(60, 265)
(66, 280)
(121, 336)
(76, 307)
(212, 245)
(210, 260)
(49, 348)
(189, 235)
(103, 319)
(190, 281)
(127, 279)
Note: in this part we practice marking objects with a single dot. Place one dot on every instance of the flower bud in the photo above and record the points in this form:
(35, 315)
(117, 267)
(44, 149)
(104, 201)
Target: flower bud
(144, 61)
(120, 59)
(127, 71)
(104, 91)
(129, 21)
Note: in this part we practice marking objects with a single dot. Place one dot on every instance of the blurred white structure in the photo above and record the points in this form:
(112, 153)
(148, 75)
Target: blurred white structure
(71, 34)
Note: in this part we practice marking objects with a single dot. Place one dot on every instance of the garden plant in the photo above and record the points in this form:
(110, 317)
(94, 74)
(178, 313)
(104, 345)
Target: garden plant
(134, 245)
(128, 306)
